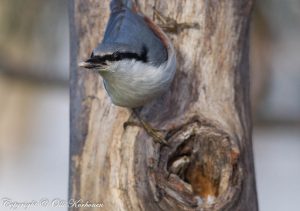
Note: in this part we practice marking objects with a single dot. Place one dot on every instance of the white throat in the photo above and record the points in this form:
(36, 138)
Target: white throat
(131, 83)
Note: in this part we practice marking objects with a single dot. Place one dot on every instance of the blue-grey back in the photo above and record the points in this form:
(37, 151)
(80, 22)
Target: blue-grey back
(129, 28)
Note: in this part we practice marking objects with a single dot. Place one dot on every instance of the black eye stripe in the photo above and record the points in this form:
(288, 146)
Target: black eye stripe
(117, 56)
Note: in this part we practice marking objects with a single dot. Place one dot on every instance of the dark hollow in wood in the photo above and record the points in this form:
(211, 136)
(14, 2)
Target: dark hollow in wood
(200, 167)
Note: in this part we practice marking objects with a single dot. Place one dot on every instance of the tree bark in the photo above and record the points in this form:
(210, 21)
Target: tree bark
(205, 115)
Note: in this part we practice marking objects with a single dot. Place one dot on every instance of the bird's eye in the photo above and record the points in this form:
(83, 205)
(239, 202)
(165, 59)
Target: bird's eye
(115, 55)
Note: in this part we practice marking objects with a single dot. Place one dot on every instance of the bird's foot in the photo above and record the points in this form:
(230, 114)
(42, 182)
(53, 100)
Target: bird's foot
(170, 25)
(139, 124)
(156, 134)
(131, 123)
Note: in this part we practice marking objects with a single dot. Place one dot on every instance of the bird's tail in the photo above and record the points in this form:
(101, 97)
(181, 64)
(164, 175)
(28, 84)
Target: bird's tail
(119, 4)
(116, 5)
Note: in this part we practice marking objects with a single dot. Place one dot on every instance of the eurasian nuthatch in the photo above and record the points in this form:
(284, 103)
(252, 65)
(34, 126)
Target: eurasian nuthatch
(135, 58)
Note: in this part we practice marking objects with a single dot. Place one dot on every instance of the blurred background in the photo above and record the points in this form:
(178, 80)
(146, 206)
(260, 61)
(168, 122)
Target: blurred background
(34, 105)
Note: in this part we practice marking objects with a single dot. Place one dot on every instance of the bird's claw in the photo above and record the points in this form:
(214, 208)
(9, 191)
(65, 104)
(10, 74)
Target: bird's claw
(158, 138)
(156, 134)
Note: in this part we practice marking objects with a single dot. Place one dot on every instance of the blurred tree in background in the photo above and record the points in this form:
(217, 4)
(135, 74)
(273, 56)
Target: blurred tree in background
(34, 66)
(34, 38)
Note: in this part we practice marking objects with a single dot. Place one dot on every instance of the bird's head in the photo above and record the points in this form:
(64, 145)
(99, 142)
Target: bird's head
(106, 54)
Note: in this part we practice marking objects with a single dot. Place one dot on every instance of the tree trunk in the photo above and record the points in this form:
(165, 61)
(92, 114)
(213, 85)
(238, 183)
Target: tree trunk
(205, 115)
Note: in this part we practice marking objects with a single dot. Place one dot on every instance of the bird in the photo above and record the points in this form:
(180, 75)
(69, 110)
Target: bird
(136, 60)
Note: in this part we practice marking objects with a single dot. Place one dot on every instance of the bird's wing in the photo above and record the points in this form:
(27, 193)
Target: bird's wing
(128, 27)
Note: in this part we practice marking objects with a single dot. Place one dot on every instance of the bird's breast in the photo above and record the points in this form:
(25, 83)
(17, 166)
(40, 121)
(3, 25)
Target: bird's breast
(133, 84)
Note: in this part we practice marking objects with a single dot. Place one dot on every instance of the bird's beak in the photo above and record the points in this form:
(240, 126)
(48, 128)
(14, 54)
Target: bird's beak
(87, 65)
(92, 66)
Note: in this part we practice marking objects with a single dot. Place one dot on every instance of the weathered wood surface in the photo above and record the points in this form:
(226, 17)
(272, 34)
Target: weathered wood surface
(206, 115)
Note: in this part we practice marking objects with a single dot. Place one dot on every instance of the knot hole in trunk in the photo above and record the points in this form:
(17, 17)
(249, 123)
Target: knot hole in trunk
(200, 168)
